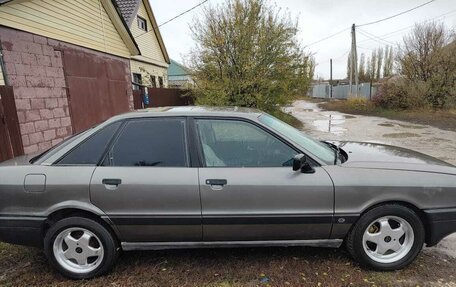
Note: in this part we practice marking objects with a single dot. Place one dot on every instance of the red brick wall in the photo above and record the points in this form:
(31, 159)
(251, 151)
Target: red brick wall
(34, 68)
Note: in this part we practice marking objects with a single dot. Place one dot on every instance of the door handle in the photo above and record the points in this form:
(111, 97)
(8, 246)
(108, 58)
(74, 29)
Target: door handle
(112, 181)
(220, 182)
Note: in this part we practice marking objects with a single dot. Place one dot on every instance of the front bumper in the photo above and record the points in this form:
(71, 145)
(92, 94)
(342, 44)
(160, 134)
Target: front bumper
(441, 223)
(22, 230)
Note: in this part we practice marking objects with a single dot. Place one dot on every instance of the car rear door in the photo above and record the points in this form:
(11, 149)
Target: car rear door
(146, 185)
(249, 190)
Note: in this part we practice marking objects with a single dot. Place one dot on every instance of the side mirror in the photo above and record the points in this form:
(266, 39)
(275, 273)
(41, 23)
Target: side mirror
(300, 163)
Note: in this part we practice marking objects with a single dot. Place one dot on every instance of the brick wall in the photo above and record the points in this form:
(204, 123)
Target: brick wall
(34, 68)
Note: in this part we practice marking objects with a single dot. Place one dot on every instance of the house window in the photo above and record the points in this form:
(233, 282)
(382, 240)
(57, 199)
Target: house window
(137, 81)
(153, 81)
(160, 82)
(142, 23)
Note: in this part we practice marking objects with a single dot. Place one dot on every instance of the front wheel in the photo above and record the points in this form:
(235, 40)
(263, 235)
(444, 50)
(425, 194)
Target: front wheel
(388, 237)
(80, 248)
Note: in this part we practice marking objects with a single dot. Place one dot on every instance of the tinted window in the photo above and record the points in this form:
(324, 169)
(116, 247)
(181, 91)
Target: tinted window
(233, 143)
(92, 149)
(319, 149)
(151, 142)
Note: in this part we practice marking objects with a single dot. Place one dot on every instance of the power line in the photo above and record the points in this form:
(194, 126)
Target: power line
(183, 13)
(376, 38)
(172, 19)
(328, 37)
(398, 14)
(390, 34)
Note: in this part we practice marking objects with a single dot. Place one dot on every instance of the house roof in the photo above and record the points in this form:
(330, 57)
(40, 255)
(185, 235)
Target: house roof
(128, 9)
(177, 69)
(114, 14)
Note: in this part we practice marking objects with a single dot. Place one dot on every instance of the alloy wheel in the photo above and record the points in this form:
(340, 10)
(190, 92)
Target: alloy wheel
(388, 239)
(78, 250)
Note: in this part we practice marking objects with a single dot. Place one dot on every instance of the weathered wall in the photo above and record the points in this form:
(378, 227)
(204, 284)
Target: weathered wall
(149, 70)
(34, 68)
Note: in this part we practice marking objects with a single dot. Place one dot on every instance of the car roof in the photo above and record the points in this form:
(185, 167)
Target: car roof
(192, 111)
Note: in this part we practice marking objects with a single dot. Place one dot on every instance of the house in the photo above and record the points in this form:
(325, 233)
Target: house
(68, 65)
(179, 76)
(151, 66)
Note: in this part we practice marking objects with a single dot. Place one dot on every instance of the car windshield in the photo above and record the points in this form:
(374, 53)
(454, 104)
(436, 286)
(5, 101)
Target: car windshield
(319, 149)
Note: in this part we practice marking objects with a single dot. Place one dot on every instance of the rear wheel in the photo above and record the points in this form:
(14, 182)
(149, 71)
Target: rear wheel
(80, 248)
(387, 238)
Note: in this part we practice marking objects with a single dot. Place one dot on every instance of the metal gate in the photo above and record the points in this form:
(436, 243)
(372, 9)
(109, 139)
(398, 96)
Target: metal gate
(163, 97)
(10, 136)
(97, 88)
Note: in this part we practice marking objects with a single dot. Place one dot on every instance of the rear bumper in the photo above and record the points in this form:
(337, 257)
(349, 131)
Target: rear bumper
(22, 230)
(441, 223)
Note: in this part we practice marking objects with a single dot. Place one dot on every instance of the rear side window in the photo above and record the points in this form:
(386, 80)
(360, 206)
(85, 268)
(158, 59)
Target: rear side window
(152, 143)
(92, 149)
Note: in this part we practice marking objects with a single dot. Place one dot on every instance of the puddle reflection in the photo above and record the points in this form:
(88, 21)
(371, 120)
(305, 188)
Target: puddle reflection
(331, 125)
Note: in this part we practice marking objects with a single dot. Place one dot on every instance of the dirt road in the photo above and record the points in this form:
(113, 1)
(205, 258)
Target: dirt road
(331, 125)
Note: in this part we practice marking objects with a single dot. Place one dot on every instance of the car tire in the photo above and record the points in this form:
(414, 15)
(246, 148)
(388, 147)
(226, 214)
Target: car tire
(376, 240)
(80, 248)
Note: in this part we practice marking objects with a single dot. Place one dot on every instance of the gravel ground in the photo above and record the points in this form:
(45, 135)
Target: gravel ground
(22, 266)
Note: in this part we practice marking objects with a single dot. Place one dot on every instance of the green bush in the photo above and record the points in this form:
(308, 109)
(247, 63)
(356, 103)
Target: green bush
(401, 95)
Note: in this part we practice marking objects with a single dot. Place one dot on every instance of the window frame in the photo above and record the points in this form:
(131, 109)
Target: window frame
(187, 142)
(136, 84)
(139, 20)
(199, 146)
(103, 154)
(153, 81)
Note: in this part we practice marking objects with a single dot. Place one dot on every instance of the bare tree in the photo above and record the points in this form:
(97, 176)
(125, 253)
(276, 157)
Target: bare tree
(388, 62)
(362, 68)
(373, 65)
(378, 74)
(428, 61)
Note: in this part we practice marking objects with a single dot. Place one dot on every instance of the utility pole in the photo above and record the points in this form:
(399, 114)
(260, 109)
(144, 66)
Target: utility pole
(331, 78)
(351, 71)
(354, 62)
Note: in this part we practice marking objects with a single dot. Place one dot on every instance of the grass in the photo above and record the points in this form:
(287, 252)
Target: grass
(21, 266)
(443, 119)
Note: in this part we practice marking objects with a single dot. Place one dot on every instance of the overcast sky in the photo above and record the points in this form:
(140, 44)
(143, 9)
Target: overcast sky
(318, 19)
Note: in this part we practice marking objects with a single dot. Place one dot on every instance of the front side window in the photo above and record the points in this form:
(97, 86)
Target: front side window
(152, 143)
(233, 143)
(160, 82)
(317, 148)
(91, 150)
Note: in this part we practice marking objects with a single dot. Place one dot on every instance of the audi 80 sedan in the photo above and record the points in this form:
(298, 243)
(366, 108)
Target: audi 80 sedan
(193, 177)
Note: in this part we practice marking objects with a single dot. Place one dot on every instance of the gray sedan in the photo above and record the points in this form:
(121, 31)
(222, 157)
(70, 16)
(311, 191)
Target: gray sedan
(194, 177)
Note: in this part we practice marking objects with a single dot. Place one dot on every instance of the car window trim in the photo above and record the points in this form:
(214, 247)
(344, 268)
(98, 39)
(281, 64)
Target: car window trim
(56, 162)
(202, 162)
(121, 129)
(193, 143)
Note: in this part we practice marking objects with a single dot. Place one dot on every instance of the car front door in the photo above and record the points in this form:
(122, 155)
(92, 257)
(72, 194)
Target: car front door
(249, 190)
(146, 185)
